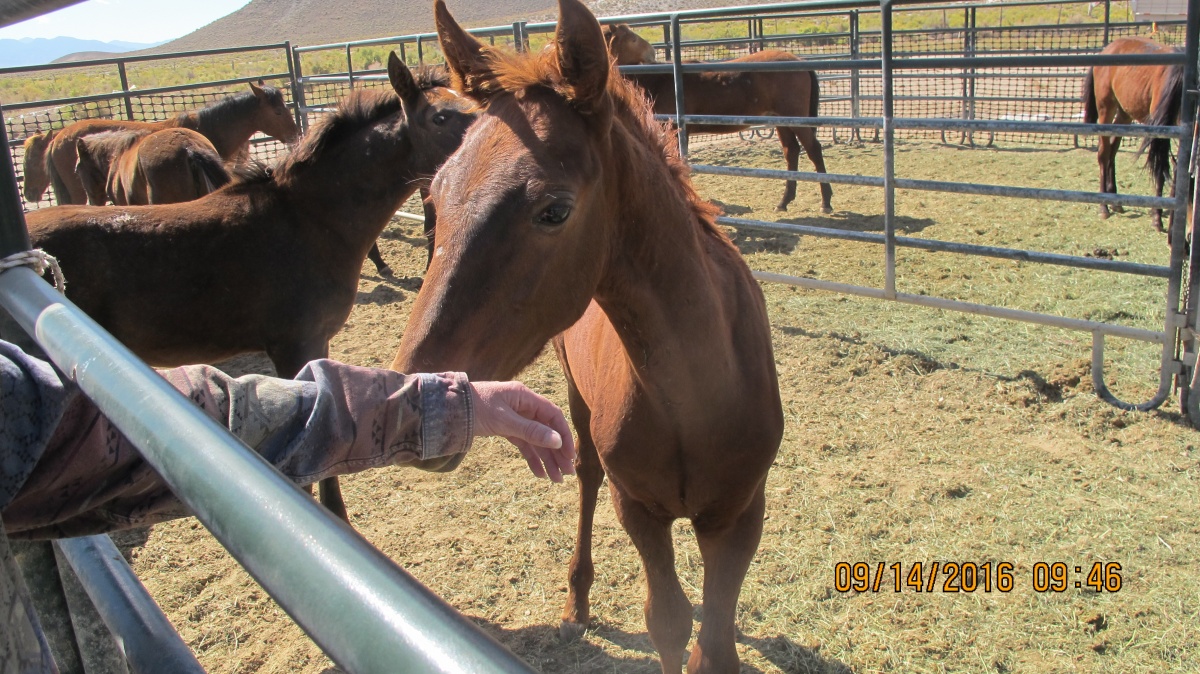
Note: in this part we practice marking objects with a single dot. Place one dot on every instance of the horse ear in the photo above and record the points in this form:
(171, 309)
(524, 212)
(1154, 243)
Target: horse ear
(402, 81)
(464, 54)
(257, 90)
(582, 54)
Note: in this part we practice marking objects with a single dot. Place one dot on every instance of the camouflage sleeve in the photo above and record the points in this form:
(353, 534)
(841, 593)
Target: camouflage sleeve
(332, 419)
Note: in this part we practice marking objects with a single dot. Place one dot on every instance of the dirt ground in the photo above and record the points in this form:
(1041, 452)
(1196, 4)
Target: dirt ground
(912, 436)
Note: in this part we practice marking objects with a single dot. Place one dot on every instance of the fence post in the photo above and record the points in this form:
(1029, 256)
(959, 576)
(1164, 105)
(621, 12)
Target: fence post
(762, 43)
(855, 51)
(973, 49)
(677, 61)
(293, 61)
(519, 38)
(1107, 24)
(349, 68)
(666, 28)
(889, 149)
(750, 47)
(125, 90)
(420, 52)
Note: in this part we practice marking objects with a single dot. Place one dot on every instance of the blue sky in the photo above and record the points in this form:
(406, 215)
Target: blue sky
(126, 20)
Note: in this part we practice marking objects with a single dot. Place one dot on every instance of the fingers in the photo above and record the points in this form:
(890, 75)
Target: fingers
(529, 421)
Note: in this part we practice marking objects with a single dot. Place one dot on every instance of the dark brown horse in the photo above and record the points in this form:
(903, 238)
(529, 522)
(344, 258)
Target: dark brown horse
(782, 94)
(165, 167)
(271, 261)
(567, 214)
(228, 124)
(1121, 94)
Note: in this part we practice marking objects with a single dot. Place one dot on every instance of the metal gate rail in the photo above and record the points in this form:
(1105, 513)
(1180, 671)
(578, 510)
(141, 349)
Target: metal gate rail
(1173, 359)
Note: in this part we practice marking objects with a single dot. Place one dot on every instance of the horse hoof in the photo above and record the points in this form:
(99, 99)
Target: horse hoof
(781, 208)
(827, 210)
(569, 631)
(385, 270)
(1118, 208)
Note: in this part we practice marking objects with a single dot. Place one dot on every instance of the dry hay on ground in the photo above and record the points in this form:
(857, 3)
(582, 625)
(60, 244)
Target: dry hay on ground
(912, 436)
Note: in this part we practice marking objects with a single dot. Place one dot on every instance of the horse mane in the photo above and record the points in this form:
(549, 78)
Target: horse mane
(633, 113)
(361, 108)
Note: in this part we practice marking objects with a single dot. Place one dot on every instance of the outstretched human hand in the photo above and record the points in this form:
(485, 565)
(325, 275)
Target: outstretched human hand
(535, 425)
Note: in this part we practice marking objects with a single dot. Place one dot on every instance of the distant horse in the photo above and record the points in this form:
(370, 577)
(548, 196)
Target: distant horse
(36, 178)
(567, 211)
(165, 167)
(271, 261)
(782, 94)
(1121, 94)
(228, 124)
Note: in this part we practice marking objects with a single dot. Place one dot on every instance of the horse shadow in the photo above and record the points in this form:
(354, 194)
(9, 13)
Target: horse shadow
(749, 240)
(545, 652)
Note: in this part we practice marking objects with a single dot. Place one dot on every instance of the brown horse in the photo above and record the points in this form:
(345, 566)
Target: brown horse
(567, 211)
(1121, 94)
(228, 124)
(165, 167)
(35, 176)
(783, 94)
(271, 261)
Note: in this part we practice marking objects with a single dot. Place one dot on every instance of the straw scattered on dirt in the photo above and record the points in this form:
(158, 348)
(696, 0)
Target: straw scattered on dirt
(912, 435)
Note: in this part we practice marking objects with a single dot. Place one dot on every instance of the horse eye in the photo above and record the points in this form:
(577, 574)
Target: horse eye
(440, 118)
(555, 214)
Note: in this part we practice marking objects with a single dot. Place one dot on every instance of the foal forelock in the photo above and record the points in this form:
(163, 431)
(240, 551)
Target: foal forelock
(633, 118)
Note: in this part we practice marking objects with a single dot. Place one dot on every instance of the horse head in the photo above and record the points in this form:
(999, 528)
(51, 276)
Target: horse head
(524, 207)
(627, 47)
(37, 178)
(272, 115)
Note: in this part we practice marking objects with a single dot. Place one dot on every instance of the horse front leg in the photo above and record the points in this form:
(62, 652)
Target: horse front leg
(381, 267)
(1105, 158)
(581, 572)
(812, 146)
(667, 609)
(727, 547)
(289, 359)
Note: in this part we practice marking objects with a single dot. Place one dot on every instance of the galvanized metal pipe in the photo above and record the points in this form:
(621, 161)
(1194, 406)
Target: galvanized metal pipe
(149, 641)
(889, 151)
(16, 70)
(677, 73)
(1058, 259)
(365, 612)
(969, 307)
(945, 124)
(773, 174)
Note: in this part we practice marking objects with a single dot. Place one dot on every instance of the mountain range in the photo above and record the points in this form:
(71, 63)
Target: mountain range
(34, 51)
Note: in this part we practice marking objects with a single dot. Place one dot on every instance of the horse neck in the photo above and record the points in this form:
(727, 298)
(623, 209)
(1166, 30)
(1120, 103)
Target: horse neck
(668, 277)
(228, 133)
(357, 195)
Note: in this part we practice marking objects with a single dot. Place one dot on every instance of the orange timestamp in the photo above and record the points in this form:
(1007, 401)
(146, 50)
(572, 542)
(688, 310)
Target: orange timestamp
(973, 577)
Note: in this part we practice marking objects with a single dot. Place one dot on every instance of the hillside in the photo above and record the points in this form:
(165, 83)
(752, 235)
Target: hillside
(308, 22)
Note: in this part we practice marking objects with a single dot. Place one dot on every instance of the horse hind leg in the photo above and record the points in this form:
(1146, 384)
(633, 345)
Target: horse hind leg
(727, 547)
(791, 153)
(1112, 169)
(667, 609)
(380, 266)
(581, 572)
(812, 146)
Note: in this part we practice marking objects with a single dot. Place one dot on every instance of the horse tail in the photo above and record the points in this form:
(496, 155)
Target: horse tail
(1165, 112)
(814, 97)
(208, 171)
(1091, 114)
